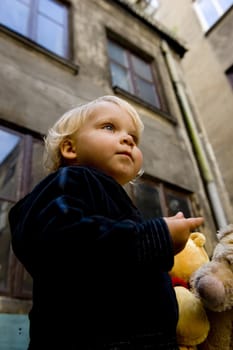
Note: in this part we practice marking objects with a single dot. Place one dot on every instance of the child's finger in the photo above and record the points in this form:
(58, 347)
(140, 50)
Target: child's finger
(195, 222)
(178, 215)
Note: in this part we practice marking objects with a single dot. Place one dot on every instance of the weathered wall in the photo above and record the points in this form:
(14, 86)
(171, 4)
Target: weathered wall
(204, 66)
(36, 89)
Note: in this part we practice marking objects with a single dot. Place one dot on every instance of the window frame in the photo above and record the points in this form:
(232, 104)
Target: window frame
(163, 189)
(32, 29)
(15, 271)
(130, 51)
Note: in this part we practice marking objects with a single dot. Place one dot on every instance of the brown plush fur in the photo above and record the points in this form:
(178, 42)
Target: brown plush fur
(220, 336)
(213, 282)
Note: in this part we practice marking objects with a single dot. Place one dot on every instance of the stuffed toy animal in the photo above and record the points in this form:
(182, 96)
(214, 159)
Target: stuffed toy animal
(190, 258)
(193, 324)
(213, 282)
(220, 336)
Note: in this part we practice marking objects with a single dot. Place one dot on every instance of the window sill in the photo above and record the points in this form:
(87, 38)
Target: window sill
(14, 306)
(125, 93)
(29, 43)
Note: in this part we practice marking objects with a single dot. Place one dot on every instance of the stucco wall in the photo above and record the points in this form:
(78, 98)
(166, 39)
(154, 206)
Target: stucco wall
(36, 89)
(204, 65)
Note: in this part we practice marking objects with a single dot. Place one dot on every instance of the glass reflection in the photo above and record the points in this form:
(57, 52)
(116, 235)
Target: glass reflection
(147, 200)
(4, 242)
(10, 149)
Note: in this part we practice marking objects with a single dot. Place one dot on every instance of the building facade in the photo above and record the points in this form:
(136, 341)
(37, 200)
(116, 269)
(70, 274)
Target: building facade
(55, 55)
(207, 28)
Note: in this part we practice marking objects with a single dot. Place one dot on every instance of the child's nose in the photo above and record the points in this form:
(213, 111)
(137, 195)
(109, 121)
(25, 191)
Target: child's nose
(126, 138)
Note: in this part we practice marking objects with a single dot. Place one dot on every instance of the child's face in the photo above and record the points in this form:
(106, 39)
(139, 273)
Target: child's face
(108, 140)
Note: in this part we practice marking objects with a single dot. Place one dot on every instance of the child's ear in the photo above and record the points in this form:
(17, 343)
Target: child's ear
(68, 150)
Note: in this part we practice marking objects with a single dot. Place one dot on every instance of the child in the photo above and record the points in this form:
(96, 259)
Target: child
(100, 271)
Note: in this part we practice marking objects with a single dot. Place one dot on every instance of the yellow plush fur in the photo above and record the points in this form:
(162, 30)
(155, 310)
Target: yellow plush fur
(191, 257)
(193, 325)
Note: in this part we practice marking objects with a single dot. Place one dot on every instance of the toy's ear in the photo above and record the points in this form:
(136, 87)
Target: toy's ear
(68, 149)
(225, 231)
(230, 259)
(198, 238)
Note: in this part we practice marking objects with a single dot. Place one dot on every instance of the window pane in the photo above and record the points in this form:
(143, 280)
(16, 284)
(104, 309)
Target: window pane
(225, 4)
(142, 68)
(117, 53)
(37, 164)
(5, 240)
(209, 11)
(10, 164)
(27, 282)
(146, 92)
(175, 204)
(50, 35)
(120, 77)
(15, 15)
(132, 74)
(54, 10)
(147, 200)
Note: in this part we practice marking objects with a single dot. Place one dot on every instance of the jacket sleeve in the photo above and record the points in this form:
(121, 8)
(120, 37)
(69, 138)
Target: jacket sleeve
(68, 219)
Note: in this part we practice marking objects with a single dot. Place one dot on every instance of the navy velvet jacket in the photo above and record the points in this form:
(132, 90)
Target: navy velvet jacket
(100, 271)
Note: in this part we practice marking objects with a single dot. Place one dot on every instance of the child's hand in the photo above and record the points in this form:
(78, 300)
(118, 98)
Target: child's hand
(180, 229)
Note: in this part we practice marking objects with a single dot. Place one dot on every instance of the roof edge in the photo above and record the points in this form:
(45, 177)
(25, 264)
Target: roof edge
(178, 44)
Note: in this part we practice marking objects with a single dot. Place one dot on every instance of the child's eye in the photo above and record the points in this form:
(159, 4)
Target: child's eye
(108, 127)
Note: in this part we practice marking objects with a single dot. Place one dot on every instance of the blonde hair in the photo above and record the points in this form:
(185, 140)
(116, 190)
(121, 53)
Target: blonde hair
(70, 122)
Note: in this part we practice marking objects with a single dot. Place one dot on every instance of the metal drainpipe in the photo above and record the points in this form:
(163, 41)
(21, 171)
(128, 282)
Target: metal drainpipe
(193, 132)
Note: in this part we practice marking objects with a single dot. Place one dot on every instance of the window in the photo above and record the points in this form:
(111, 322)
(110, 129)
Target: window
(157, 199)
(20, 170)
(229, 74)
(209, 11)
(43, 21)
(132, 74)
